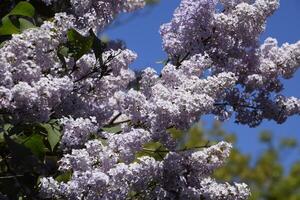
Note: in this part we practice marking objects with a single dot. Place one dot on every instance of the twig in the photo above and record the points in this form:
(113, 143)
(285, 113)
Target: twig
(180, 150)
(114, 119)
(236, 105)
(13, 176)
(120, 122)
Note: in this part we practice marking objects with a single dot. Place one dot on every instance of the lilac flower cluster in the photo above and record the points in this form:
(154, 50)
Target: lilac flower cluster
(27, 88)
(96, 14)
(99, 174)
(76, 132)
(228, 32)
(176, 99)
(35, 86)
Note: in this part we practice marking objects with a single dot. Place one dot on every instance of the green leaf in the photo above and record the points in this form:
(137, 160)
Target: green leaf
(7, 127)
(153, 149)
(8, 28)
(194, 138)
(18, 150)
(97, 46)
(53, 134)
(112, 129)
(2, 44)
(23, 8)
(25, 24)
(64, 51)
(54, 138)
(65, 177)
(78, 44)
(2, 137)
(175, 133)
(36, 145)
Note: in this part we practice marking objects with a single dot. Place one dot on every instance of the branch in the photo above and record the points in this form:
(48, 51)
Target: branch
(111, 122)
(13, 176)
(103, 68)
(236, 105)
(180, 150)
(120, 122)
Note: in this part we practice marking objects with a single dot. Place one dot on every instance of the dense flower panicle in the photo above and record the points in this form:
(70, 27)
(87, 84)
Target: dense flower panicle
(213, 190)
(149, 78)
(227, 32)
(94, 94)
(177, 99)
(198, 26)
(27, 60)
(35, 84)
(196, 65)
(96, 14)
(49, 188)
(92, 175)
(76, 132)
(289, 106)
(210, 158)
(169, 178)
(191, 24)
(279, 61)
(79, 160)
(128, 143)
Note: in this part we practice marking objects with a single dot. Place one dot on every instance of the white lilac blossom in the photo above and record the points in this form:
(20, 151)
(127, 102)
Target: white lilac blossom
(94, 93)
(228, 33)
(213, 190)
(181, 175)
(27, 60)
(128, 143)
(190, 27)
(176, 99)
(76, 132)
(96, 14)
(35, 85)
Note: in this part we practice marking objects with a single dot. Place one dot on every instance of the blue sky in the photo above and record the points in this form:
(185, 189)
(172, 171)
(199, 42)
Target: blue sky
(141, 35)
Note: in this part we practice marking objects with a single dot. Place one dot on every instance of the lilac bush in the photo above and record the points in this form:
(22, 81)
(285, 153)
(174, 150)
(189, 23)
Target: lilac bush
(215, 66)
